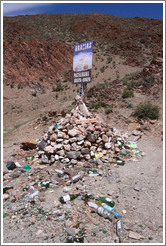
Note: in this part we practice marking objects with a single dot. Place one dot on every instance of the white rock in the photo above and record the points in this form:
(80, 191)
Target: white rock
(73, 132)
(80, 137)
(66, 147)
(87, 157)
(57, 147)
(61, 152)
(5, 196)
(74, 146)
(56, 157)
(59, 140)
(53, 137)
(66, 141)
(49, 149)
(72, 140)
(107, 145)
(66, 160)
(80, 142)
(87, 144)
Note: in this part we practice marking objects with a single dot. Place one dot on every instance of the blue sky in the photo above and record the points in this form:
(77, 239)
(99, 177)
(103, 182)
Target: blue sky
(149, 10)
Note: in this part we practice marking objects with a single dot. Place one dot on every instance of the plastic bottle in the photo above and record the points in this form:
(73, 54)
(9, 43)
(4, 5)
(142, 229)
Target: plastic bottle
(106, 201)
(59, 172)
(119, 162)
(92, 155)
(85, 197)
(101, 210)
(45, 184)
(119, 230)
(92, 205)
(93, 173)
(29, 158)
(76, 178)
(64, 199)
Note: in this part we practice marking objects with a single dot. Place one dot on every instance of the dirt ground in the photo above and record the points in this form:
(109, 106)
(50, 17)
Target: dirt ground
(143, 209)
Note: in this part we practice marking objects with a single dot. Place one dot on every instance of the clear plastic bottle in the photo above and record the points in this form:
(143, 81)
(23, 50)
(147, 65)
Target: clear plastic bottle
(119, 230)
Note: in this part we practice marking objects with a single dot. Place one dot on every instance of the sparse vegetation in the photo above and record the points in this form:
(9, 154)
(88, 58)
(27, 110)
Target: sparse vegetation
(127, 93)
(98, 105)
(147, 110)
(108, 110)
(58, 87)
(109, 59)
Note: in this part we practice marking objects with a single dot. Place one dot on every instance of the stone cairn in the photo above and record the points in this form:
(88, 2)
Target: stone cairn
(76, 136)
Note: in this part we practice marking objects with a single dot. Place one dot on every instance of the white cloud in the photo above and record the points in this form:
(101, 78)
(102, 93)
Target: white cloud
(11, 8)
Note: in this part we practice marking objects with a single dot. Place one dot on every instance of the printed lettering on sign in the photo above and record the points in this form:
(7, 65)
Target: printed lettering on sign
(82, 62)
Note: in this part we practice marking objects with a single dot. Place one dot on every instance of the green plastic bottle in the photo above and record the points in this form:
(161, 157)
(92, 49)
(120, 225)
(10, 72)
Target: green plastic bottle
(64, 199)
(45, 184)
(107, 201)
(90, 171)
(29, 158)
(119, 162)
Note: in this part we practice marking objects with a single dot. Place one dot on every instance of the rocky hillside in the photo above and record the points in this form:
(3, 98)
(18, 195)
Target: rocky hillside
(39, 48)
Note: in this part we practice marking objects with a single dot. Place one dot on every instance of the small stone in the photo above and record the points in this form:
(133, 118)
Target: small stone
(87, 144)
(32, 220)
(61, 152)
(91, 137)
(70, 231)
(51, 129)
(135, 235)
(105, 138)
(107, 145)
(59, 140)
(56, 157)
(73, 154)
(80, 138)
(44, 159)
(66, 147)
(53, 137)
(5, 196)
(73, 132)
(72, 140)
(57, 147)
(74, 146)
(42, 145)
(11, 165)
(137, 187)
(87, 157)
(85, 151)
(80, 142)
(49, 149)
(42, 199)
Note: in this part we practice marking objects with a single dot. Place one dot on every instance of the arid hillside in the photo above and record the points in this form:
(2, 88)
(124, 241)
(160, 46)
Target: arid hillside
(39, 48)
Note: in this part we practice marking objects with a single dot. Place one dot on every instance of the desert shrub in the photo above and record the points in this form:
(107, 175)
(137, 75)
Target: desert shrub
(102, 69)
(127, 93)
(109, 59)
(12, 85)
(97, 105)
(147, 110)
(89, 94)
(108, 110)
(58, 87)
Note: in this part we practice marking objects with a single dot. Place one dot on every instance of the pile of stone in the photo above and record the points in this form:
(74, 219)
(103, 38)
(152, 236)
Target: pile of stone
(76, 138)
